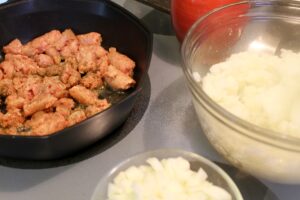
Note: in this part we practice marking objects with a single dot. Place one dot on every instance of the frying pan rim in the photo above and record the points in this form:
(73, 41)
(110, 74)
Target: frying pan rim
(134, 93)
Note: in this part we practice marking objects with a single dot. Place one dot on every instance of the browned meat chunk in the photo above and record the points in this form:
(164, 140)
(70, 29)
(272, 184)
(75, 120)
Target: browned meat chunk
(117, 79)
(102, 64)
(6, 87)
(83, 95)
(64, 106)
(91, 38)
(94, 109)
(41, 44)
(47, 40)
(9, 131)
(121, 62)
(11, 118)
(22, 64)
(28, 50)
(86, 58)
(43, 123)
(14, 47)
(72, 61)
(52, 85)
(70, 76)
(8, 69)
(53, 70)
(29, 87)
(54, 54)
(99, 51)
(38, 45)
(86, 97)
(91, 80)
(1, 75)
(66, 37)
(75, 117)
(43, 60)
(51, 37)
(70, 49)
(14, 101)
(39, 103)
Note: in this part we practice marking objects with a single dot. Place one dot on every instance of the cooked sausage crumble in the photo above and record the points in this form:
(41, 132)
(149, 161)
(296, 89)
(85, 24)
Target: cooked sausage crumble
(53, 81)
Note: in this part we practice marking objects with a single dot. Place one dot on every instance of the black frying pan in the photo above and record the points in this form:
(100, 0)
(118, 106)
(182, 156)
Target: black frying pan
(28, 19)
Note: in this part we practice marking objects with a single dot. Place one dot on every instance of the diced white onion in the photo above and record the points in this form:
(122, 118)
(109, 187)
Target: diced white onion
(168, 179)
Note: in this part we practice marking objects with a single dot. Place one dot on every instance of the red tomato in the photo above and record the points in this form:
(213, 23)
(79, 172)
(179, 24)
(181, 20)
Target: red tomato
(186, 12)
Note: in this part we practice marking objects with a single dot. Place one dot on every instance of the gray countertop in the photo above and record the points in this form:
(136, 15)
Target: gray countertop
(162, 5)
(165, 118)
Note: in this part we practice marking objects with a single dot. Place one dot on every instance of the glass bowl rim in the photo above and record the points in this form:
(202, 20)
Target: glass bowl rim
(228, 116)
(179, 153)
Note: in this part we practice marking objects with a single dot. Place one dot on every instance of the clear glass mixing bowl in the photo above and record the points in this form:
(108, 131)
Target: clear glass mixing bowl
(257, 25)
